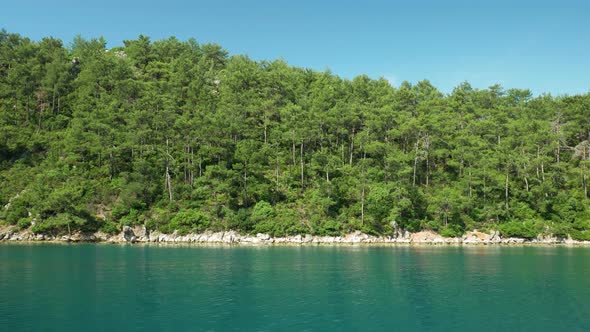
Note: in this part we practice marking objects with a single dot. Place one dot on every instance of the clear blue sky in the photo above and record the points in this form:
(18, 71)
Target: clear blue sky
(541, 45)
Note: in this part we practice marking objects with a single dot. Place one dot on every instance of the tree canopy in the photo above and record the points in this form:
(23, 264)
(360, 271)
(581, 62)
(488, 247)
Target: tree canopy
(178, 135)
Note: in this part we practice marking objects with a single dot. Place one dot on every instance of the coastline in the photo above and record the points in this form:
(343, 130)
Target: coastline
(139, 235)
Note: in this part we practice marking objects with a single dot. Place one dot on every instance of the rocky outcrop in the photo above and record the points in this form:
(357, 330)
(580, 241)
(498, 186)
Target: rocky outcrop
(139, 234)
(128, 234)
(429, 237)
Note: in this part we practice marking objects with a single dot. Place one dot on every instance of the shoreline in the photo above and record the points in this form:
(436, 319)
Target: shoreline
(139, 235)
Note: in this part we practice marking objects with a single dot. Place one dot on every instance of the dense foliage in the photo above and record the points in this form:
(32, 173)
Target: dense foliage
(180, 136)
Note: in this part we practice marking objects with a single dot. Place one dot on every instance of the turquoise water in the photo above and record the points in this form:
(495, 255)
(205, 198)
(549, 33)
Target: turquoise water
(116, 287)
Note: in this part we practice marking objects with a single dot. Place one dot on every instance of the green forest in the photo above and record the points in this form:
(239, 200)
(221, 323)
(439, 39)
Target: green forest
(181, 136)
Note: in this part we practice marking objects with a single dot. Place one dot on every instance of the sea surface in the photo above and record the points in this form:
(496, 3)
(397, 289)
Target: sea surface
(87, 287)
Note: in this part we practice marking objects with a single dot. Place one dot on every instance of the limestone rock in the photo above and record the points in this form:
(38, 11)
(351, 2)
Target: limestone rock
(216, 237)
(426, 237)
(141, 233)
(475, 237)
(262, 236)
(128, 234)
(495, 236)
(229, 236)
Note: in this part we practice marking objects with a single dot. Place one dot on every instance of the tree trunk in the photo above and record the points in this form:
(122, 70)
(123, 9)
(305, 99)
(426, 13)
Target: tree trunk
(584, 184)
(168, 178)
(428, 169)
(301, 154)
(294, 162)
(469, 172)
(277, 175)
(364, 179)
(415, 165)
(363, 206)
(506, 186)
(351, 147)
(484, 186)
(265, 132)
(53, 99)
(245, 185)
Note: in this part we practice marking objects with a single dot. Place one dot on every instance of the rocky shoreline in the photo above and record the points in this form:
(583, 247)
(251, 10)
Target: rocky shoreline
(141, 235)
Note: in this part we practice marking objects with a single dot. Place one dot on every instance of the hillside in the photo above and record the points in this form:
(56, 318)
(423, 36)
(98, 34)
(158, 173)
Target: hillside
(177, 135)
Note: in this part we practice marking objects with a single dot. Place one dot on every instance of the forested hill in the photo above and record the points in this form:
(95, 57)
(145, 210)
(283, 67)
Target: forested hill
(178, 135)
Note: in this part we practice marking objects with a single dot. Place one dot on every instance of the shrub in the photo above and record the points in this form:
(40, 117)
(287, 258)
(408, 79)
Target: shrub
(59, 224)
(560, 230)
(132, 218)
(261, 219)
(526, 230)
(110, 228)
(152, 224)
(24, 223)
(434, 225)
(268, 227)
(284, 222)
(16, 212)
(452, 231)
(330, 227)
(581, 224)
(238, 220)
(186, 221)
(580, 235)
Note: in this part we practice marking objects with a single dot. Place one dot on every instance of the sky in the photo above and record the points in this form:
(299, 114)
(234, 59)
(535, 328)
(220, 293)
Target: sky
(539, 45)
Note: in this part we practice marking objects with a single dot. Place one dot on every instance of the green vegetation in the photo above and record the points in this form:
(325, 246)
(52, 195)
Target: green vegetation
(180, 136)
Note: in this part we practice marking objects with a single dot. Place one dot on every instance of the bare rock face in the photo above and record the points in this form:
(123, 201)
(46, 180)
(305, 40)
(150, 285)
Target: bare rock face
(230, 237)
(401, 234)
(476, 237)
(262, 236)
(128, 234)
(154, 236)
(495, 236)
(141, 234)
(355, 237)
(427, 237)
(215, 237)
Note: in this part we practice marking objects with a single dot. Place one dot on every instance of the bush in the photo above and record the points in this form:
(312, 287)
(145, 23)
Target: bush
(261, 220)
(238, 220)
(434, 225)
(110, 228)
(526, 230)
(452, 231)
(580, 235)
(59, 224)
(284, 222)
(581, 224)
(560, 230)
(16, 212)
(330, 227)
(157, 219)
(152, 224)
(187, 221)
(24, 223)
(132, 218)
(268, 227)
